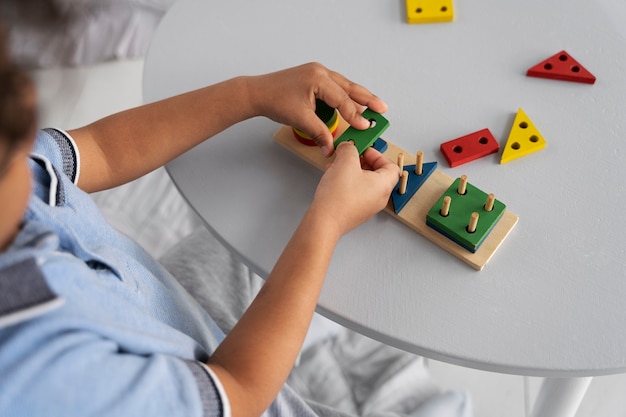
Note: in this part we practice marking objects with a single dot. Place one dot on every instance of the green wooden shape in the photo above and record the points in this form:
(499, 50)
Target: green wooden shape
(454, 226)
(363, 139)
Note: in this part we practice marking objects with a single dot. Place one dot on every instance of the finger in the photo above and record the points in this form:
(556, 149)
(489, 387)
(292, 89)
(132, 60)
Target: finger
(359, 94)
(364, 97)
(335, 92)
(338, 98)
(365, 160)
(317, 130)
(350, 110)
(380, 163)
(346, 153)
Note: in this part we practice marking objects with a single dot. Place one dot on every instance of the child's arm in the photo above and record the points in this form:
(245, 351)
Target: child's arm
(127, 145)
(255, 359)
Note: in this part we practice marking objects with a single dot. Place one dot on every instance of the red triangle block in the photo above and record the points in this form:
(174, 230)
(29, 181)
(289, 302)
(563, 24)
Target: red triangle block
(562, 67)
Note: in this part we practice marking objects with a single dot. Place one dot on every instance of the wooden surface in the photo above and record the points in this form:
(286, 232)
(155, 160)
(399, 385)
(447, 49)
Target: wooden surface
(414, 213)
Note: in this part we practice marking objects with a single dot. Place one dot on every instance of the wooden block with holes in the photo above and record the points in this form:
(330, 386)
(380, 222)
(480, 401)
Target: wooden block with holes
(562, 66)
(363, 139)
(465, 214)
(429, 11)
(469, 147)
(523, 139)
(415, 212)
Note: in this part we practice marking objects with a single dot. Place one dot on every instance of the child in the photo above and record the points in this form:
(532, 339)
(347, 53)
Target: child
(90, 324)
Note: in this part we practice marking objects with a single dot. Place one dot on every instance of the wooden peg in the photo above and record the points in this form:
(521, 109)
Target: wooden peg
(401, 160)
(491, 198)
(445, 206)
(403, 181)
(471, 227)
(462, 185)
(419, 162)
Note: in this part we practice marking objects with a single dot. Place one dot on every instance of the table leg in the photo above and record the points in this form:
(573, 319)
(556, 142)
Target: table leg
(560, 397)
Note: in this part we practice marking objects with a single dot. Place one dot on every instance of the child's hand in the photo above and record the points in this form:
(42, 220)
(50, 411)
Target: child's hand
(288, 97)
(353, 189)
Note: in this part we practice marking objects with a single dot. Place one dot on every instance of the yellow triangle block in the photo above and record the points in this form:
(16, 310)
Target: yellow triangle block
(523, 139)
(429, 11)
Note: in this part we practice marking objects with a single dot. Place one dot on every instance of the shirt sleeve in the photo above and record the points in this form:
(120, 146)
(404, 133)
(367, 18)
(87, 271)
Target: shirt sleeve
(58, 146)
(89, 379)
(212, 393)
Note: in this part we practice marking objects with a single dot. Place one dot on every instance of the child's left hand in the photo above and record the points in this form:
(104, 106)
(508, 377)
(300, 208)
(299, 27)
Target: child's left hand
(288, 97)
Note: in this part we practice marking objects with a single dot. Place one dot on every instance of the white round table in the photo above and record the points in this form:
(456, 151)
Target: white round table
(550, 302)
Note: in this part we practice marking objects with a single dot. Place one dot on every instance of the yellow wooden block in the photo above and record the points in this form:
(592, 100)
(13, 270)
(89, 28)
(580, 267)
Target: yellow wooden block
(524, 139)
(429, 11)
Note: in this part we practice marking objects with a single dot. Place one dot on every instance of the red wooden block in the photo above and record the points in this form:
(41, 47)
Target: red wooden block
(562, 67)
(469, 147)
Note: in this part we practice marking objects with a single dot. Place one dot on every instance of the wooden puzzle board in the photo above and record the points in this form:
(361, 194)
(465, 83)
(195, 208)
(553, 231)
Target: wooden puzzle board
(414, 213)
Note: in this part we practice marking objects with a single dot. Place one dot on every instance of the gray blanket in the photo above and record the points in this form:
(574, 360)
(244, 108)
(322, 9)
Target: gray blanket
(338, 368)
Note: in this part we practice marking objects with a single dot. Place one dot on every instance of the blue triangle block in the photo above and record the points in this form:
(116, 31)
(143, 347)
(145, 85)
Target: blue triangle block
(413, 184)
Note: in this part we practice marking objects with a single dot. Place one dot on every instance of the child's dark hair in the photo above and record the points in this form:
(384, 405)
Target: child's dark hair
(17, 113)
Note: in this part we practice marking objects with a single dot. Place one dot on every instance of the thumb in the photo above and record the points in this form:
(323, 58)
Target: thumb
(347, 153)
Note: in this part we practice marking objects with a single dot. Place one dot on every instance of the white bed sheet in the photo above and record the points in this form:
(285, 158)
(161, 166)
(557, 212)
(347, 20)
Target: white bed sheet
(90, 31)
(150, 210)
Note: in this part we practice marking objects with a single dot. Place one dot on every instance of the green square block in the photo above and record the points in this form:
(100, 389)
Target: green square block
(454, 226)
(363, 139)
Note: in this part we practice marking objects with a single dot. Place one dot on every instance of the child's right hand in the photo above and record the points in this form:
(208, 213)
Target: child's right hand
(255, 358)
(354, 189)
